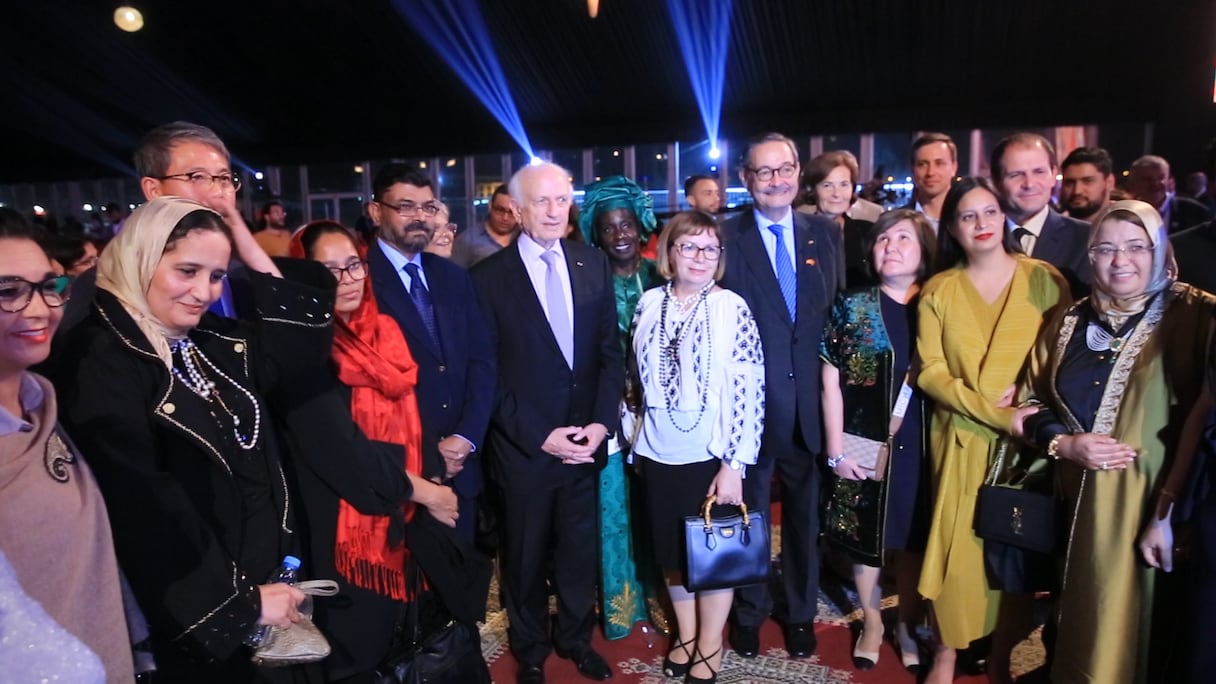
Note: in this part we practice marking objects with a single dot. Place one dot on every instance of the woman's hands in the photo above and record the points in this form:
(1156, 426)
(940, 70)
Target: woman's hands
(280, 604)
(439, 500)
(1157, 544)
(848, 469)
(727, 486)
(1096, 452)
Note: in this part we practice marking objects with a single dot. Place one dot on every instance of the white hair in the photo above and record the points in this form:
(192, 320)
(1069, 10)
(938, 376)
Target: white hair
(515, 185)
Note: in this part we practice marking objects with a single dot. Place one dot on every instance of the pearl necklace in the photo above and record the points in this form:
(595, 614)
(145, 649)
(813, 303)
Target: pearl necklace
(669, 354)
(1097, 339)
(197, 381)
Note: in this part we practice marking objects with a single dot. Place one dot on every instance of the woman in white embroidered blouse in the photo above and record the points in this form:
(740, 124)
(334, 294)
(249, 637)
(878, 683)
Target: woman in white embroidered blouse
(700, 369)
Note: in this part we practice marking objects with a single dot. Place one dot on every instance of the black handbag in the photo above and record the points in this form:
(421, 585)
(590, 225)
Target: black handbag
(1020, 521)
(726, 552)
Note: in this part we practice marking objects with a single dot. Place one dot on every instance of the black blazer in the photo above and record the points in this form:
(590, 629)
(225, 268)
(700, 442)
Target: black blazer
(1063, 244)
(1186, 213)
(1195, 252)
(791, 348)
(455, 379)
(537, 391)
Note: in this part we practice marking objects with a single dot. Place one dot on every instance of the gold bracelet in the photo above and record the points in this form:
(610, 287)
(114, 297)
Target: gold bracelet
(1053, 447)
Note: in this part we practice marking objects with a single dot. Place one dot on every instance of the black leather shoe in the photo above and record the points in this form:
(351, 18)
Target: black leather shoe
(531, 674)
(800, 641)
(745, 640)
(591, 665)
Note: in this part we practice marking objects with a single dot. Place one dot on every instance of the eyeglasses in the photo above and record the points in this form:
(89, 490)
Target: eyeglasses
(409, 209)
(357, 270)
(1132, 250)
(690, 251)
(17, 293)
(206, 181)
(764, 173)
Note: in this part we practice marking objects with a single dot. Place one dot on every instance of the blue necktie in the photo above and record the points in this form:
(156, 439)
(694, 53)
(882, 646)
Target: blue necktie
(555, 299)
(785, 273)
(422, 301)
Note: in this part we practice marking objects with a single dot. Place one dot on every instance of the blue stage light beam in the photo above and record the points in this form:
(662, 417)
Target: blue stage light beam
(457, 32)
(703, 30)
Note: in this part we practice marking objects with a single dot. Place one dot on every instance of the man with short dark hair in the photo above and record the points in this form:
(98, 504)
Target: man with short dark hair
(934, 166)
(702, 193)
(483, 239)
(274, 236)
(1195, 248)
(434, 303)
(1089, 178)
(787, 266)
(1024, 170)
(1150, 181)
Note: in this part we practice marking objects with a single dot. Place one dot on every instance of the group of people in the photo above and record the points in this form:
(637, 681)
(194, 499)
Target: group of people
(379, 404)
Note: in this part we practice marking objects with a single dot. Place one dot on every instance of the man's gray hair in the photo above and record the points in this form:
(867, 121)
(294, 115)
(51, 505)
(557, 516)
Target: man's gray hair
(153, 153)
(515, 186)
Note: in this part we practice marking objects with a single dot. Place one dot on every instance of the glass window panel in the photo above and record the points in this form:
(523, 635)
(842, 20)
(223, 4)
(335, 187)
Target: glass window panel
(572, 161)
(607, 161)
(652, 163)
(335, 177)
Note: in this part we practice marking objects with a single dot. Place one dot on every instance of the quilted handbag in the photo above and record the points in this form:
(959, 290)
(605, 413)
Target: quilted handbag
(726, 552)
(300, 643)
(869, 454)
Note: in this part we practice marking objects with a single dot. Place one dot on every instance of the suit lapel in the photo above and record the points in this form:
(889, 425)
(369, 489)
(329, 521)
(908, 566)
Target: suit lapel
(1050, 240)
(528, 310)
(808, 265)
(751, 248)
(395, 301)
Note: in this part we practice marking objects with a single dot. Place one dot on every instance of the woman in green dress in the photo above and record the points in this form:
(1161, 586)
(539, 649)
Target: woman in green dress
(618, 217)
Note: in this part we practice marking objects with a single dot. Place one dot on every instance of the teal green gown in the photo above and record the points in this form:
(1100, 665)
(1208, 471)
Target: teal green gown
(629, 579)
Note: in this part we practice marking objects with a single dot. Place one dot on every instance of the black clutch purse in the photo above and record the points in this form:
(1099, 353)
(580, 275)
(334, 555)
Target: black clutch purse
(726, 552)
(451, 655)
(1020, 521)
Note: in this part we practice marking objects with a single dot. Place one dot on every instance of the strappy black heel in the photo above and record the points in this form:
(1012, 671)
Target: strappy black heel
(711, 679)
(676, 670)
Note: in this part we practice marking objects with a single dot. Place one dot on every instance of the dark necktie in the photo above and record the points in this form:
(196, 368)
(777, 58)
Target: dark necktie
(1020, 234)
(786, 277)
(422, 301)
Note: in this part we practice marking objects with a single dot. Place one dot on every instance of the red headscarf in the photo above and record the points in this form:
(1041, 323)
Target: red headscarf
(374, 360)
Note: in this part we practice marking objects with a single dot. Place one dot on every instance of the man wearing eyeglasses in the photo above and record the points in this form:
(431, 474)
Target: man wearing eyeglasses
(499, 229)
(787, 266)
(433, 301)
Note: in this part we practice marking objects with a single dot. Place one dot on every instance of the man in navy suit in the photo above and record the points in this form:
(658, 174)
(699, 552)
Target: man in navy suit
(1024, 169)
(552, 311)
(787, 266)
(434, 303)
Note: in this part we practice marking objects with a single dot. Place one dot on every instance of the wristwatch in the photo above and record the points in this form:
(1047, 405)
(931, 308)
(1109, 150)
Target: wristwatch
(734, 464)
(834, 461)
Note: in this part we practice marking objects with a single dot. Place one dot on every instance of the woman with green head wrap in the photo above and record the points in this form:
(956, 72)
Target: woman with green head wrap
(618, 217)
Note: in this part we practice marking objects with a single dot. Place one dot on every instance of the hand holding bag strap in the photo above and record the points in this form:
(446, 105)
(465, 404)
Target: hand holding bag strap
(319, 587)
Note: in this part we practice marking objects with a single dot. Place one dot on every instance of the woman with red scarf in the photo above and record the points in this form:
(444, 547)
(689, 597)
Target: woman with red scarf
(360, 539)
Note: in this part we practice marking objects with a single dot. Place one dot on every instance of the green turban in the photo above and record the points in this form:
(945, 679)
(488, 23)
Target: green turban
(616, 192)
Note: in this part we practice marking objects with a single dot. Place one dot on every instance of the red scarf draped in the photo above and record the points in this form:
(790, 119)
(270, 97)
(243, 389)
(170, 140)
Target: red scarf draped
(374, 360)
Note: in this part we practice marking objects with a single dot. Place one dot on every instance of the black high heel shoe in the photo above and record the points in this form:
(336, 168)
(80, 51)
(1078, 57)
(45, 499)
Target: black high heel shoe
(712, 678)
(677, 670)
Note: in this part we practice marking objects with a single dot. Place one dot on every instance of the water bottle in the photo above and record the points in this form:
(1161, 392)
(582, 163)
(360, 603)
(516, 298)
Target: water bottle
(286, 573)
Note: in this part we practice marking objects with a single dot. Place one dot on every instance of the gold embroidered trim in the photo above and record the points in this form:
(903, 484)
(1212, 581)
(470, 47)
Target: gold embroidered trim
(236, 592)
(1112, 396)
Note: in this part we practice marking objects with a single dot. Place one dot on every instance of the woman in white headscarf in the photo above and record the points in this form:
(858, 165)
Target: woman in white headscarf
(178, 411)
(1116, 375)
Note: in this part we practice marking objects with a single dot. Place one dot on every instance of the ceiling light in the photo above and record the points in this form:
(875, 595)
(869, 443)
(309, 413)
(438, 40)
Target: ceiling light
(128, 19)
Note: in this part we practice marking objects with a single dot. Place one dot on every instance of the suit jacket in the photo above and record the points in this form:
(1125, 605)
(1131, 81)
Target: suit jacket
(1195, 251)
(456, 378)
(537, 391)
(1063, 243)
(1186, 213)
(791, 348)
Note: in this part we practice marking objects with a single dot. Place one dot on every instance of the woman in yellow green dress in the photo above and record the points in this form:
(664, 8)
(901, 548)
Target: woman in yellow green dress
(978, 319)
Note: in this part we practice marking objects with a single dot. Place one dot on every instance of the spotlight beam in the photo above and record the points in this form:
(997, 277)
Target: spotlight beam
(457, 32)
(703, 31)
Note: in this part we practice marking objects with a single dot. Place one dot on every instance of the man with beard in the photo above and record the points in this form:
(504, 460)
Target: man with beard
(274, 236)
(434, 303)
(482, 240)
(788, 266)
(1089, 178)
(1024, 168)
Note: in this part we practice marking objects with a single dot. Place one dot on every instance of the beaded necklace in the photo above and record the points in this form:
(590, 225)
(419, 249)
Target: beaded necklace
(198, 382)
(669, 351)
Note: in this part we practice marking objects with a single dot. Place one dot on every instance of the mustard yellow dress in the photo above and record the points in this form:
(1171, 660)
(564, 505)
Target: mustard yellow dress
(971, 352)
(1110, 630)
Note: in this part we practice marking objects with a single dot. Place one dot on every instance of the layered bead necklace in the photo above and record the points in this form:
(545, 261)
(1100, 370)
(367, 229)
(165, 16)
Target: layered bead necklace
(198, 374)
(669, 350)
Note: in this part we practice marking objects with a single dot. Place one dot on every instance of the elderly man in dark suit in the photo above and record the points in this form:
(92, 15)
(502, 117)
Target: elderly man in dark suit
(1024, 168)
(788, 267)
(434, 303)
(552, 312)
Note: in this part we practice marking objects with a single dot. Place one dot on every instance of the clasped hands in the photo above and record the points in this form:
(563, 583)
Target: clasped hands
(575, 445)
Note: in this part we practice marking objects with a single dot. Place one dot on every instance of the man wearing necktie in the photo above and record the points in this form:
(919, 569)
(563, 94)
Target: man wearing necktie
(1024, 170)
(433, 301)
(788, 266)
(552, 312)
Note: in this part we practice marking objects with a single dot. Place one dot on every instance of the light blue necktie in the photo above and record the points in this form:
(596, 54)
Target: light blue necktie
(785, 272)
(555, 298)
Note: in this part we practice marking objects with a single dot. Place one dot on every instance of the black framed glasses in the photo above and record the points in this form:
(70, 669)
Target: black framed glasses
(786, 170)
(357, 270)
(690, 251)
(407, 209)
(205, 181)
(17, 293)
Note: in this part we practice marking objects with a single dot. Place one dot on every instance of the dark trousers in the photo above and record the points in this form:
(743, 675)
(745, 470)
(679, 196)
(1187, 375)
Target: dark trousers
(539, 524)
(798, 472)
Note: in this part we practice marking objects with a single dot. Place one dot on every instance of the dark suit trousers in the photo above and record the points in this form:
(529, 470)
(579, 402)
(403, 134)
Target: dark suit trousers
(536, 523)
(798, 472)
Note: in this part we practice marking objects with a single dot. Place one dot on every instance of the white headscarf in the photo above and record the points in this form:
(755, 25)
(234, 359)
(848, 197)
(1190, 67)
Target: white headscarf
(1164, 270)
(128, 263)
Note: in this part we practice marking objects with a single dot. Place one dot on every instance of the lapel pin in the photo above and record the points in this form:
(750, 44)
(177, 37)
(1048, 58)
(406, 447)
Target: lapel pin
(810, 262)
(810, 242)
(578, 263)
